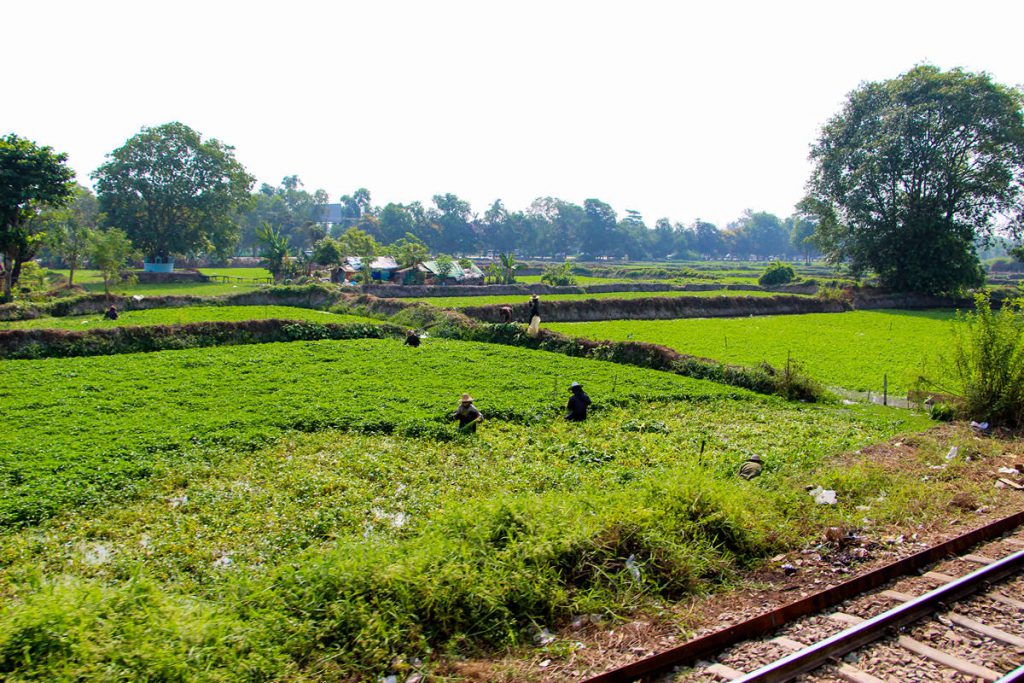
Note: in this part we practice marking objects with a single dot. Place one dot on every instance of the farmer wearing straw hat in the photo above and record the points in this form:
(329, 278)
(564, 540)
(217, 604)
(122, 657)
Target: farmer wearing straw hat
(534, 316)
(578, 403)
(467, 415)
(752, 467)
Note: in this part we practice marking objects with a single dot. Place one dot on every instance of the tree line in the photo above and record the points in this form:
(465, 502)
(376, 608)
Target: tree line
(911, 178)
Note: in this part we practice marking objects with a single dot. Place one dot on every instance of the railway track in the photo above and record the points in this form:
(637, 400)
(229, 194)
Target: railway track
(960, 620)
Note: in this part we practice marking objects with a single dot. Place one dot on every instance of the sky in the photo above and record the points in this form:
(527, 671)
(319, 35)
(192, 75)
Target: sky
(675, 109)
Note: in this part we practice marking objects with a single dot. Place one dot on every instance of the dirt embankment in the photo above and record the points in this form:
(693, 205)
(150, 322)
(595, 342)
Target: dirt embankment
(661, 308)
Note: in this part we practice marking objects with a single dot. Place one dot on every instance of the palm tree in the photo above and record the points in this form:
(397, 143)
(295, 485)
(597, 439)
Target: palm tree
(275, 250)
(508, 268)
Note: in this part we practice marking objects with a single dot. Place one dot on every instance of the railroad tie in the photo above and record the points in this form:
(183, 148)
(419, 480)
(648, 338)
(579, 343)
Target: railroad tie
(723, 671)
(845, 671)
(844, 618)
(966, 622)
(940, 657)
(1007, 600)
(939, 577)
(1014, 541)
(979, 559)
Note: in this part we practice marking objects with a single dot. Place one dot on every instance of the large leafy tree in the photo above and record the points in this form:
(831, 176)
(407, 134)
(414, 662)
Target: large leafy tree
(31, 179)
(172, 192)
(913, 171)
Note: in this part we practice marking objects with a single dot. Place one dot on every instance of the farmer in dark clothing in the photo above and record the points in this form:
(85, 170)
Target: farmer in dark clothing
(467, 415)
(506, 313)
(752, 467)
(578, 403)
(412, 339)
(111, 313)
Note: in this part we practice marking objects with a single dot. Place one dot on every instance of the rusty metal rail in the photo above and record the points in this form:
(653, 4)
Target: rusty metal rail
(819, 654)
(712, 643)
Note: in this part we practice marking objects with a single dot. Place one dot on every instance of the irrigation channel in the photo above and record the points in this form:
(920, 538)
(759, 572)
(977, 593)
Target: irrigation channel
(960, 620)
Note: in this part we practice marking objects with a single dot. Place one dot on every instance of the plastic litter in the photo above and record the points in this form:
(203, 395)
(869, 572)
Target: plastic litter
(631, 565)
(823, 496)
(953, 452)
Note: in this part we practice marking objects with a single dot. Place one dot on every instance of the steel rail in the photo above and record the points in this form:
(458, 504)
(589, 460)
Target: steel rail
(1014, 676)
(822, 652)
(712, 643)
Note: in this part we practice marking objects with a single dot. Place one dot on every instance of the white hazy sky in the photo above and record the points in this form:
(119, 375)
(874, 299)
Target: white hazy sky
(669, 108)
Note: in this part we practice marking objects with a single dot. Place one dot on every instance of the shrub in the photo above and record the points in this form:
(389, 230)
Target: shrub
(777, 273)
(559, 276)
(989, 361)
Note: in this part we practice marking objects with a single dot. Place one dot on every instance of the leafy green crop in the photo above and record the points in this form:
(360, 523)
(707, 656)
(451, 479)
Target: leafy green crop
(853, 350)
(184, 314)
(82, 430)
(464, 301)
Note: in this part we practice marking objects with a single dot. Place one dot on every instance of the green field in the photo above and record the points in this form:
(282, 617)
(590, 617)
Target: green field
(92, 281)
(186, 314)
(306, 511)
(464, 301)
(853, 350)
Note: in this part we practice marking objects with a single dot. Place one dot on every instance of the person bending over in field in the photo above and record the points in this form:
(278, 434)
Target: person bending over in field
(467, 415)
(578, 403)
(111, 313)
(752, 467)
(412, 339)
(506, 313)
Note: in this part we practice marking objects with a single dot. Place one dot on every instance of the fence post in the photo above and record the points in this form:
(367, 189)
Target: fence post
(885, 390)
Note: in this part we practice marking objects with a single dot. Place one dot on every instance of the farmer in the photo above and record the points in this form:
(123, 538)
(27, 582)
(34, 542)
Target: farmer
(467, 415)
(752, 467)
(111, 313)
(534, 316)
(506, 313)
(578, 403)
(412, 339)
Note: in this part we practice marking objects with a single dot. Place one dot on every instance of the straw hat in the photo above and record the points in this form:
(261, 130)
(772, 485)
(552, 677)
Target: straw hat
(466, 398)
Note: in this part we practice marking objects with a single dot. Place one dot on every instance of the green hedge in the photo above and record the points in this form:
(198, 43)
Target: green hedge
(48, 343)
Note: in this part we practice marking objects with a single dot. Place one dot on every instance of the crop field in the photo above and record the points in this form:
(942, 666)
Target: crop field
(92, 281)
(187, 314)
(853, 350)
(305, 511)
(463, 301)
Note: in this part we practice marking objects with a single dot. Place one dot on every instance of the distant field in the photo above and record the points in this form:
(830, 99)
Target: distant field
(92, 281)
(463, 301)
(852, 350)
(188, 314)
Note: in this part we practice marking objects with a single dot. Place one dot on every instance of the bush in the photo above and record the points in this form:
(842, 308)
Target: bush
(777, 273)
(989, 361)
(559, 276)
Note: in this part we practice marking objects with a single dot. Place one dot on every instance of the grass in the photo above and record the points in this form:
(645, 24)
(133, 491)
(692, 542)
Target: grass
(853, 350)
(92, 281)
(187, 314)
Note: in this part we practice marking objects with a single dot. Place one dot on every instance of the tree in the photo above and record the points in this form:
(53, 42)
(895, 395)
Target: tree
(275, 250)
(31, 178)
(68, 234)
(108, 251)
(409, 251)
(355, 242)
(172, 192)
(913, 170)
(802, 235)
(507, 268)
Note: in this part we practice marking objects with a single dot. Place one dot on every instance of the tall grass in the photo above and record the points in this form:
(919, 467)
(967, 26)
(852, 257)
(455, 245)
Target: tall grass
(989, 361)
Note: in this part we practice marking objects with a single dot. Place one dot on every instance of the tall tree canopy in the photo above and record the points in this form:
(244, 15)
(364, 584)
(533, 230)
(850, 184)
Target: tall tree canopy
(31, 179)
(913, 171)
(172, 192)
